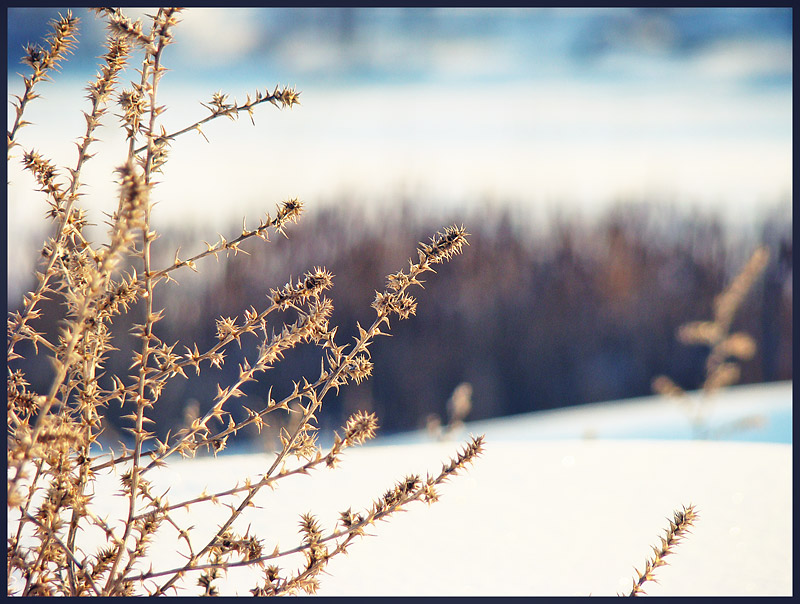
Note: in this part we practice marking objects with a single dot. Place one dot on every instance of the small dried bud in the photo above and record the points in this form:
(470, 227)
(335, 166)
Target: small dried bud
(666, 387)
(359, 369)
(729, 301)
(387, 303)
(443, 246)
(310, 528)
(135, 196)
(724, 375)
(44, 171)
(311, 285)
(289, 211)
(471, 450)
(284, 97)
(349, 520)
(360, 426)
(134, 104)
(739, 345)
(219, 103)
(699, 332)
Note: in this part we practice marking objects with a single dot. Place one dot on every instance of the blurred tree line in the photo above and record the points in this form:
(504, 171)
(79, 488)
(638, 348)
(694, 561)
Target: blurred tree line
(533, 318)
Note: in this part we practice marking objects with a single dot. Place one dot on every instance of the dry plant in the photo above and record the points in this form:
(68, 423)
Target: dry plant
(726, 350)
(458, 407)
(677, 530)
(53, 468)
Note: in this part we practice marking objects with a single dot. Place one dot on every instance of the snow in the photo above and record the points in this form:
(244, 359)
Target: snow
(568, 515)
(755, 413)
(574, 517)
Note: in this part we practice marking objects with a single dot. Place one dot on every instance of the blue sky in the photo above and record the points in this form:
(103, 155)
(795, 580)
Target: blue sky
(543, 108)
(409, 45)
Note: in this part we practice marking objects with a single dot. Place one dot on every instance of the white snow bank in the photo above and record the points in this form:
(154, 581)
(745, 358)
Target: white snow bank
(753, 413)
(557, 517)
(548, 518)
(573, 518)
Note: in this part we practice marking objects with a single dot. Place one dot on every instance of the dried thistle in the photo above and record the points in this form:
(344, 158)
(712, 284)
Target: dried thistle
(677, 530)
(53, 463)
(726, 350)
(43, 60)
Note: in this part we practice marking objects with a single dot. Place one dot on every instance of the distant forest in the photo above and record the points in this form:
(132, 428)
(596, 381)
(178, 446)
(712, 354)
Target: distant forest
(564, 314)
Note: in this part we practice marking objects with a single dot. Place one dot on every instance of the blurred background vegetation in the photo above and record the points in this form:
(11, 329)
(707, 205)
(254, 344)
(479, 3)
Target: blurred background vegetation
(573, 314)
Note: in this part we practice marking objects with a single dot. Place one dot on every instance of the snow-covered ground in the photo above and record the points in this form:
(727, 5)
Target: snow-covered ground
(564, 503)
(757, 413)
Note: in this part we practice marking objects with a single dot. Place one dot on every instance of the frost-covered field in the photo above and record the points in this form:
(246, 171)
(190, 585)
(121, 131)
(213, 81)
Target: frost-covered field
(565, 515)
